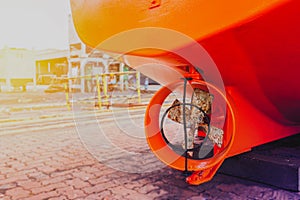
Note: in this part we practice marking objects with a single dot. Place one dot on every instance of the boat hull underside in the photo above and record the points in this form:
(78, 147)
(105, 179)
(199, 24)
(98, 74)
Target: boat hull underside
(258, 59)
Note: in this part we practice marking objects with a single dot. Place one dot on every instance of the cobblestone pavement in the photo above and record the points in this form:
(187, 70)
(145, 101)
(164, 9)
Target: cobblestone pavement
(54, 162)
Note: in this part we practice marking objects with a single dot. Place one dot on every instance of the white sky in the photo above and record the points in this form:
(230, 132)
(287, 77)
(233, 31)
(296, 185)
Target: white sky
(38, 24)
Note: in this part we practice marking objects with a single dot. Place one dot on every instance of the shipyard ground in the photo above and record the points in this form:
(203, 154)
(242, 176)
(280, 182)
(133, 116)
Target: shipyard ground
(43, 157)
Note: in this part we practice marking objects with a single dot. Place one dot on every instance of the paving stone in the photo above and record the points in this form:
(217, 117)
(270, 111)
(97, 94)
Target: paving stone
(122, 190)
(102, 179)
(92, 197)
(17, 193)
(28, 170)
(105, 195)
(138, 196)
(103, 171)
(133, 185)
(28, 184)
(5, 197)
(78, 183)
(13, 179)
(157, 193)
(57, 179)
(200, 197)
(46, 169)
(57, 166)
(83, 175)
(47, 188)
(38, 176)
(89, 169)
(7, 186)
(71, 193)
(186, 193)
(63, 172)
(95, 189)
(147, 188)
(43, 195)
(58, 198)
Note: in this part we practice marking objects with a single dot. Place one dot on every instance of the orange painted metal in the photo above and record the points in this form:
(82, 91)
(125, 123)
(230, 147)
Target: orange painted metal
(97, 20)
(255, 46)
(206, 168)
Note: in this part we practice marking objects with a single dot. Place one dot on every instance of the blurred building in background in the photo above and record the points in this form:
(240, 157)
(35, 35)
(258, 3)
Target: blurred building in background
(50, 63)
(20, 68)
(17, 68)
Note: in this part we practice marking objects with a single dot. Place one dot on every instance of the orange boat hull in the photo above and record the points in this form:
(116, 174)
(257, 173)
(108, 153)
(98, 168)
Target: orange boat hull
(255, 46)
(259, 40)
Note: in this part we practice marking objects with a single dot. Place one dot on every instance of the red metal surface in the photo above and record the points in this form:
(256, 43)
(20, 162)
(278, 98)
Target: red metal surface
(205, 168)
(97, 20)
(254, 44)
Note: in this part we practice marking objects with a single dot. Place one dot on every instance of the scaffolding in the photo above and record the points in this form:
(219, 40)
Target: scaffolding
(101, 83)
